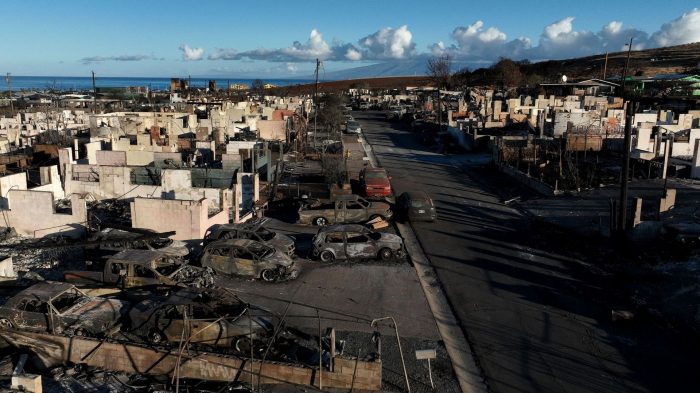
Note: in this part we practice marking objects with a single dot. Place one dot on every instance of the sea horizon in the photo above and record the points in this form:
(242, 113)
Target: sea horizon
(78, 83)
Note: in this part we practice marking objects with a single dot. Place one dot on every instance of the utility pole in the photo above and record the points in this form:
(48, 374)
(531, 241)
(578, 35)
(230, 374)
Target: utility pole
(625, 167)
(9, 88)
(627, 64)
(318, 63)
(605, 70)
(439, 109)
(94, 94)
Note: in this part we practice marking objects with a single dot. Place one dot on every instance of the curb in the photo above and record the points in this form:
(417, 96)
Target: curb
(461, 355)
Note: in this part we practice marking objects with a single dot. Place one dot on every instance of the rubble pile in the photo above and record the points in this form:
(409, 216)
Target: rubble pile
(37, 256)
(195, 277)
(111, 210)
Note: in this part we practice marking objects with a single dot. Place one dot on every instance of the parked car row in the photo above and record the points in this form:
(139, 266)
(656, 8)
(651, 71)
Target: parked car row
(207, 316)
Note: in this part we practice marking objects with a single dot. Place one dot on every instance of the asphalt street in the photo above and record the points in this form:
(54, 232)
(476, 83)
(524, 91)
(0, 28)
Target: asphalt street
(537, 321)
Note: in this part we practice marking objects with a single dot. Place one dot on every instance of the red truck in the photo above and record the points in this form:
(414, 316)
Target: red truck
(375, 182)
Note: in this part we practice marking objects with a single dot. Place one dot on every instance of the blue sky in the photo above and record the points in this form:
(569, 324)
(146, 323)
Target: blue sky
(257, 39)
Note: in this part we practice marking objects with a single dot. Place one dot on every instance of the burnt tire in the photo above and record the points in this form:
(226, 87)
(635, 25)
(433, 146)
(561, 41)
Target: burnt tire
(320, 222)
(242, 345)
(385, 254)
(82, 332)
(6, 323)
(268, 275)
(156, 337)
(327, 256)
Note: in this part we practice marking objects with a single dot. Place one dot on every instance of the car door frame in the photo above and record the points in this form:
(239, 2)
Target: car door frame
(47, 318)
(359, 215)
(171, 333)
(131, 279)
(345, 241)
(221, 263)
(202, 324)
(342, 254)
(340, 213)
(233, 259)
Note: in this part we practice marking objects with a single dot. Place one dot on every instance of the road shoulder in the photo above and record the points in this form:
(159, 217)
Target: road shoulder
(463, 360)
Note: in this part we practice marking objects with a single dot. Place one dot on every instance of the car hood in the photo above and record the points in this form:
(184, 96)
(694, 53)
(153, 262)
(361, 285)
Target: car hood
(379, 205)
(377, 182)
(280, 258)
(282, 242)
(390, 238)
(176, 248)
(98, 311)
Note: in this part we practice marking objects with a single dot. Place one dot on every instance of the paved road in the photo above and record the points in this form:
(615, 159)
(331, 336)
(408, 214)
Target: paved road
(537, 321)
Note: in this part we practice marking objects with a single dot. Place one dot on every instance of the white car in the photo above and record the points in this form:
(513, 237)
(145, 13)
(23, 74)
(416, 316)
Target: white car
(353, 127)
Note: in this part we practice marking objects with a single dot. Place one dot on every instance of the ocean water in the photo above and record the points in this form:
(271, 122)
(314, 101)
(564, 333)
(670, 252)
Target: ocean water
(81, 83)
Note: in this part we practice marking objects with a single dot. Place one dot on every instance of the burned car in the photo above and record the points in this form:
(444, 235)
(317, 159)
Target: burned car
(355, 241)
(254, 231)
(349, 209)
(60, 307)
(248, 258)
(142, 269)
(110, 241)
(214, 317)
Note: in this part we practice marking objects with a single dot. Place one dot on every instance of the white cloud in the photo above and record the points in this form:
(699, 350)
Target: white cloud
(684, 30)
(388, 43)
(191, 54)
(561, 40)
(612, 27)
(99, 59)
(223, 53)
(315, 48)
(437, 48)
(477, 42)
(472, 43)
(384, 44)
(556, 29)
(291, 67)
(353, 55)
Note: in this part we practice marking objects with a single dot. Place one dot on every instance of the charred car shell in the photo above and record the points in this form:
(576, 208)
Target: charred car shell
(347, 209)
(283, 243)
(355, 241)
(213, 317)
(248, 258)
(61, 307)
(143, 269)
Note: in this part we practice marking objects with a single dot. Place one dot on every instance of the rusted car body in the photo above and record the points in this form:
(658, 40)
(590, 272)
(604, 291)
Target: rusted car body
(248, 258)
(355, 241)
(347, 209)
(114, 240)
(60, 307)
(143, 269)
(253, 231)
(213, 317)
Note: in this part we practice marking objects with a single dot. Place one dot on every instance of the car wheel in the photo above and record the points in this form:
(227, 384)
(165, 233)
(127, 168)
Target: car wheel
(156, 337)
(242, 345)
(320, 221)
(268, 275)
(327, 256)
(6, 324)
(82, 332)
(385, 254)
